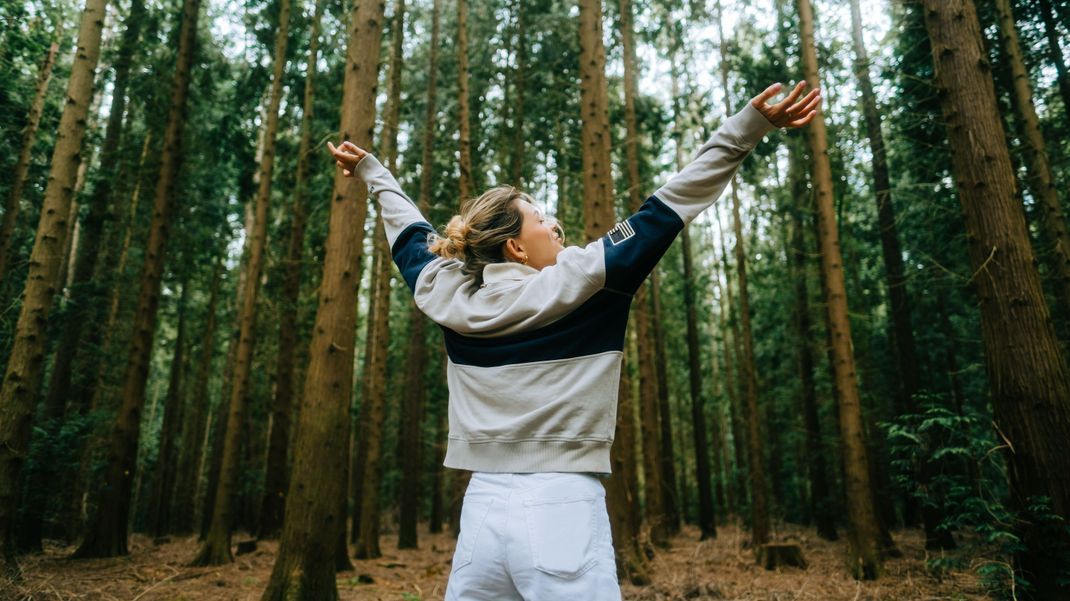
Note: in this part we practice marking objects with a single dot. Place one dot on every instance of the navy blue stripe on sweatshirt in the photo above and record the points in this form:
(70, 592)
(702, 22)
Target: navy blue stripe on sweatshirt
(410, 251)
(594, 327)
(633, 247)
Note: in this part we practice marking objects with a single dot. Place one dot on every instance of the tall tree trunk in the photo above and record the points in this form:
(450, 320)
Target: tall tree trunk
(1040, 181)
(275, 479)
(641, 312)
(707, 520)
(22, 166)
(410, 429)
(516, 160)
(822, 506)
(598, 216)
(107, 529)
(755, 461)
(863, 549)
(86, 294)
(1055, 52)
(459, 483)
(902, 328)
(622, 490)
(669, 500)
(304, 567)
(465, 161)
(188, 484)
(216, 548)
(161, 501)
(733, 373)
(23, 375)
(1027, 371)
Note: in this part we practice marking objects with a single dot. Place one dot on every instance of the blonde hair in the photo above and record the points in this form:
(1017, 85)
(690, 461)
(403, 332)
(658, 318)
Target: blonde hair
(478, 235)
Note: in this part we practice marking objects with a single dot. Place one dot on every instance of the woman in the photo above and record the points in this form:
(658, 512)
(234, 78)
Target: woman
(534, 333)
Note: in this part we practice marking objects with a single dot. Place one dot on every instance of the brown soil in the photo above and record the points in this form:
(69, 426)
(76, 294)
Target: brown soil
(717, 569)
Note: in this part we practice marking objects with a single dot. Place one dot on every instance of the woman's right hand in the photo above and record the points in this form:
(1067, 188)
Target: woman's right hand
(346, 156)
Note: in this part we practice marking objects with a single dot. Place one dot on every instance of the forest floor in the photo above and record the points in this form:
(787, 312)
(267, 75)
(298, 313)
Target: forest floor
(689, 570)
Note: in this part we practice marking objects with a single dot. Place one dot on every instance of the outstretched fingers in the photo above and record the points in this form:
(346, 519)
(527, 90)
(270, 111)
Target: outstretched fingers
(801, 122)
(761, 99)
(805, 105)
(790, 99)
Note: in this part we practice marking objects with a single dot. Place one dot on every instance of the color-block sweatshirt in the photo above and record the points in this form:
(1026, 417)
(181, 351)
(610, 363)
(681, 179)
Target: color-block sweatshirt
(535, 355)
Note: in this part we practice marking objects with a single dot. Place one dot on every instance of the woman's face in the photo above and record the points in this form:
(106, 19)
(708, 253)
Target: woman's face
(540, 239)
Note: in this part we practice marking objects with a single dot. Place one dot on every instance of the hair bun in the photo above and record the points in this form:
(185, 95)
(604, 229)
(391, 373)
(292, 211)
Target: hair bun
(453, 245)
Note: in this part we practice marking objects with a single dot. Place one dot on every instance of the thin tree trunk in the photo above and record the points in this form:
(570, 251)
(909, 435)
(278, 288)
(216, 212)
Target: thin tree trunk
(598, 216)
(759, 502)
(822, 506)
(107, 530)
(642, 318)
(1026, 369)
(1040, 181)
(86, 294)
(622, 491)
(275, 479)
(1055, 52)
(410, 428)
(305, 565)
(161, 501)
(465, 161)
(733, 374)
(193, 431)
(669, 500)
(707, 516)
(864, 559)
(22, 166)
(216, 549)
(902, 328)
(516, 161)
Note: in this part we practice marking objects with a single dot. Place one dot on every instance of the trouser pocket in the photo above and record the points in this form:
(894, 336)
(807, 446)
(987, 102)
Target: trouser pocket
(473, 513)
(564, 531)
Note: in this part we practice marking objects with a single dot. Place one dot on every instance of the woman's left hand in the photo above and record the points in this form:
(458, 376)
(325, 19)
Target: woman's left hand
(347, 155)
(790, 112)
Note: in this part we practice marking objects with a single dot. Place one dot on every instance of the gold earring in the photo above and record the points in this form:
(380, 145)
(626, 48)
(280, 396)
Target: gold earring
(524, 260)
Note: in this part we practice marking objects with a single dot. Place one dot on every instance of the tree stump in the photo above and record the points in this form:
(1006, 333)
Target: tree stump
(246, 546)
(774, 555)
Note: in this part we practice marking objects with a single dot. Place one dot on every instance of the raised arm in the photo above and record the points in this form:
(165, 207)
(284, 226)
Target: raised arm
(634, 246)
(406, 229)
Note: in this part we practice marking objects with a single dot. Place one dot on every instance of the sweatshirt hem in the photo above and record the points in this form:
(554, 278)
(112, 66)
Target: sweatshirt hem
(529, 456)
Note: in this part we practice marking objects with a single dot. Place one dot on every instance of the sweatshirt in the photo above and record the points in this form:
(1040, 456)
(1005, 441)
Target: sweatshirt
(535, 355)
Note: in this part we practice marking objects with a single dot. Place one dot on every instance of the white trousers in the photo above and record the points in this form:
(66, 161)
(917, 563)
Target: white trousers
(534, 537)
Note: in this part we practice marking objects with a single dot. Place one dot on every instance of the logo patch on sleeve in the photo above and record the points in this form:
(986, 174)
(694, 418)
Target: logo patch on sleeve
(620, 232)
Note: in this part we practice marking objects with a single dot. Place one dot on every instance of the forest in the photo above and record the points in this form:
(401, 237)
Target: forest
(848, 379)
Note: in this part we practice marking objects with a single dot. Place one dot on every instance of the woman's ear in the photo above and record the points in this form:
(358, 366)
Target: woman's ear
(513, 250)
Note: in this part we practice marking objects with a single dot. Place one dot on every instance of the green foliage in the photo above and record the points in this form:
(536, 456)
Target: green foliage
(970, 486)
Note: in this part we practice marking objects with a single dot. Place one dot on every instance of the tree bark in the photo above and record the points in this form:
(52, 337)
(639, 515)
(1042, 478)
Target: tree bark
(22, 166)
(1026, 369)
(304, 567)
(107, 529)
(864, 559)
